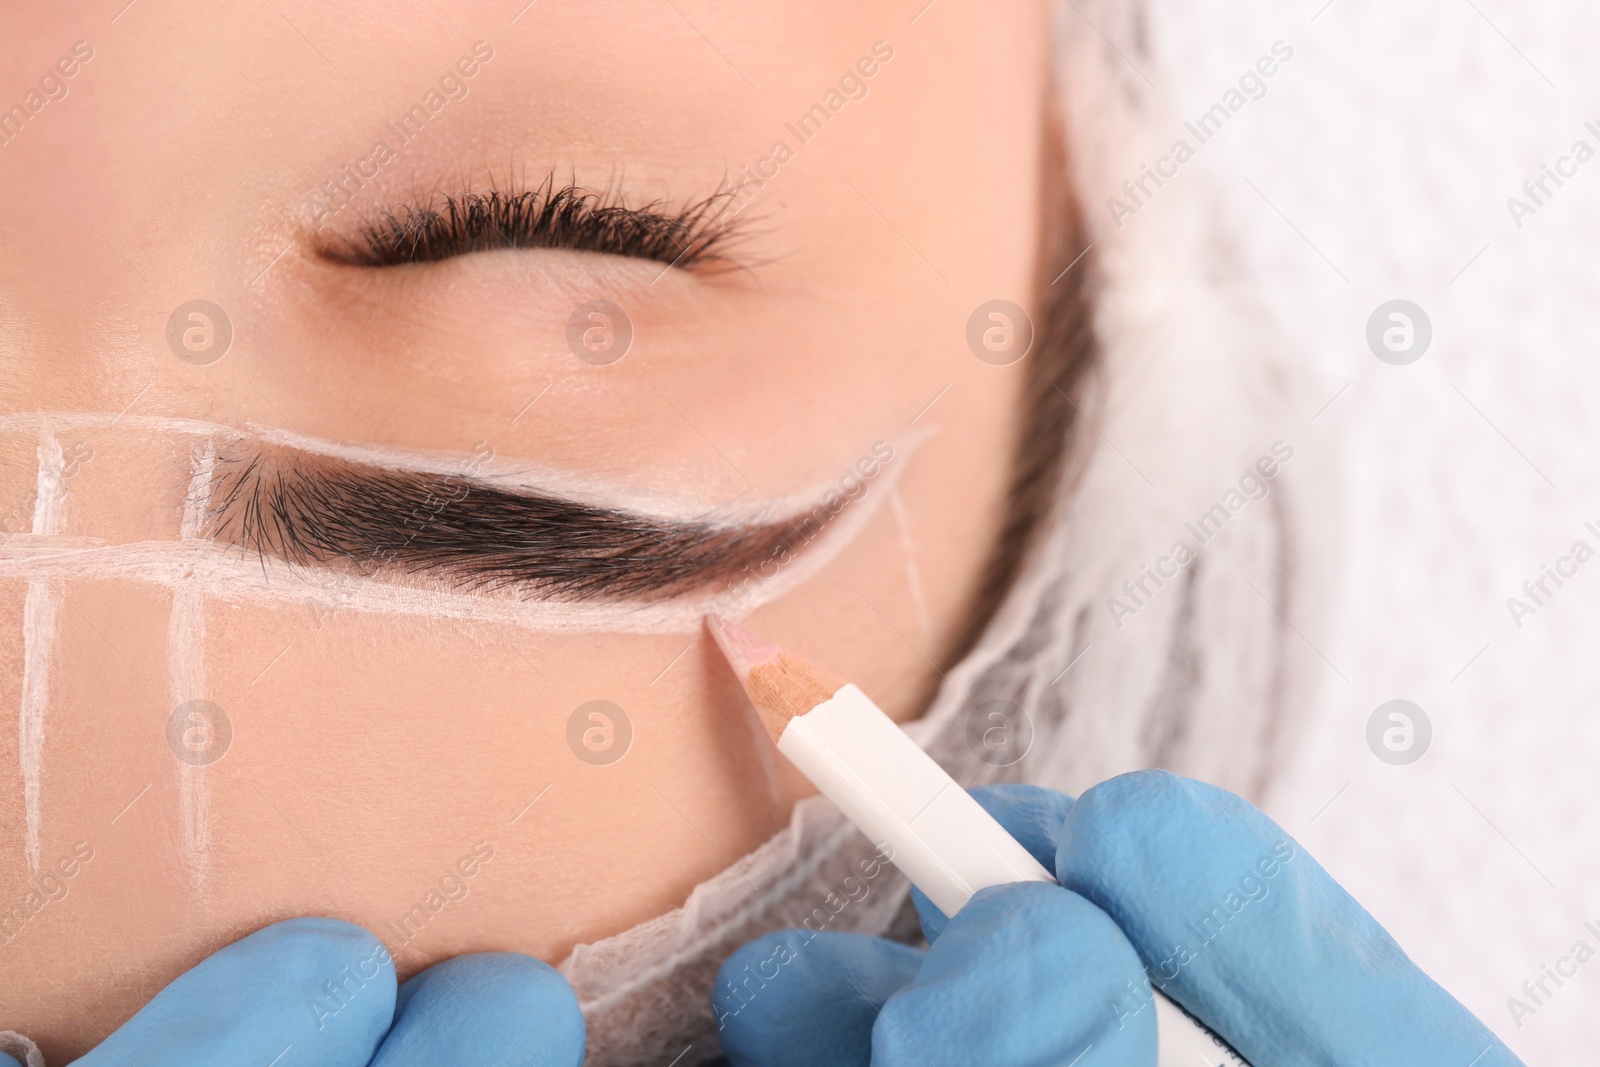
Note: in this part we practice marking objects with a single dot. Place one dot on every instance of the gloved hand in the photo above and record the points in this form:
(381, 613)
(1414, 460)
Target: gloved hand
(321, 993)
(1165, 880)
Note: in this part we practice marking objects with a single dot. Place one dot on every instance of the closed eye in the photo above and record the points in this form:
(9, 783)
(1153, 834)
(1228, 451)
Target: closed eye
(566, 217)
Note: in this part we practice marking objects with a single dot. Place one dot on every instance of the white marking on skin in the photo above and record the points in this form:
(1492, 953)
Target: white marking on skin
(47, 502)
(204, 457)
(40, 622)
(186, 632)
(510, 473)
(229, 574)
(186, 679)
(908, 546)
(40, 614)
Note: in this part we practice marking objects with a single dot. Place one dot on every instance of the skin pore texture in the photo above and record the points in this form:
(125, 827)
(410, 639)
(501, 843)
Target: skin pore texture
(386, 723)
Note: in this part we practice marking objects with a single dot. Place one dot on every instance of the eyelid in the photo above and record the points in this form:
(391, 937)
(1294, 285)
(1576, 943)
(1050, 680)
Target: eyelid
(567, 217)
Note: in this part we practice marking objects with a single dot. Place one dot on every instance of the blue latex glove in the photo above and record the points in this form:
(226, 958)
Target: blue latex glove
(1165, 880)
(321, 993)
(492, 1009)
(258, 999)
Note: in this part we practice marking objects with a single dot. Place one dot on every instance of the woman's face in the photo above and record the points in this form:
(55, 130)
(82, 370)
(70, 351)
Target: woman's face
(413, 414)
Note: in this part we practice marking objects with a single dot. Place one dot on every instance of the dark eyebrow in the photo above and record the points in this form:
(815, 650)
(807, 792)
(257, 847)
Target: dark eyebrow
(695, 235)
(465, 533)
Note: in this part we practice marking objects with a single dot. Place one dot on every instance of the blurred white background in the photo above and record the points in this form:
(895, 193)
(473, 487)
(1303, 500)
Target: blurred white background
(1377, 167)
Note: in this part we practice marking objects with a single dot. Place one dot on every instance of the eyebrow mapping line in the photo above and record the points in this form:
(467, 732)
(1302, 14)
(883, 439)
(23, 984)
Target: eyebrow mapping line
(509, 473)
(41, 613)
(186, 674)
(307, 510)
(227, 577)
(223, 573)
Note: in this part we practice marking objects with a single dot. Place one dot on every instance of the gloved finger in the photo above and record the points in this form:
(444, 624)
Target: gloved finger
(1024, 974)
(1237, 923)
(798, 999)
(7, 1061)
(1030, 813)
(490, 1009)
(312, 992)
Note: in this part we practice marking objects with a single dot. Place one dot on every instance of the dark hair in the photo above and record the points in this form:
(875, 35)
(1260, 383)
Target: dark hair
(1064, 354)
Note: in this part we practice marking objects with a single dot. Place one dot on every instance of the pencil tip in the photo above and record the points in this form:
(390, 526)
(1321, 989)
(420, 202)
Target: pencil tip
(743, 649)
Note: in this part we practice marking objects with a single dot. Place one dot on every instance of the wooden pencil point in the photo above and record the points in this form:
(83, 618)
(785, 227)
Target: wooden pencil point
(780, 685)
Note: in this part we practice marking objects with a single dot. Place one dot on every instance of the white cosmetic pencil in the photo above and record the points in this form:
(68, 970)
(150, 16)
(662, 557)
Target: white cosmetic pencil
(894, 792)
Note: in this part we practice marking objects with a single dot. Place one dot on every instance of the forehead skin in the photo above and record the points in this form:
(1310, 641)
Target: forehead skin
(188, 160)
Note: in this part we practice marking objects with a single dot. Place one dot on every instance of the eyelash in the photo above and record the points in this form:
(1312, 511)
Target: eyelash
(565, 217)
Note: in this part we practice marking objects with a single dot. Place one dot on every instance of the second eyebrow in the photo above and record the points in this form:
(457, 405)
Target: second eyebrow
(693, 235)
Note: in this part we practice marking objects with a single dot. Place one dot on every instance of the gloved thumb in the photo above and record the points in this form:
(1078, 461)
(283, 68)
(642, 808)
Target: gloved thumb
(487, 1009)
